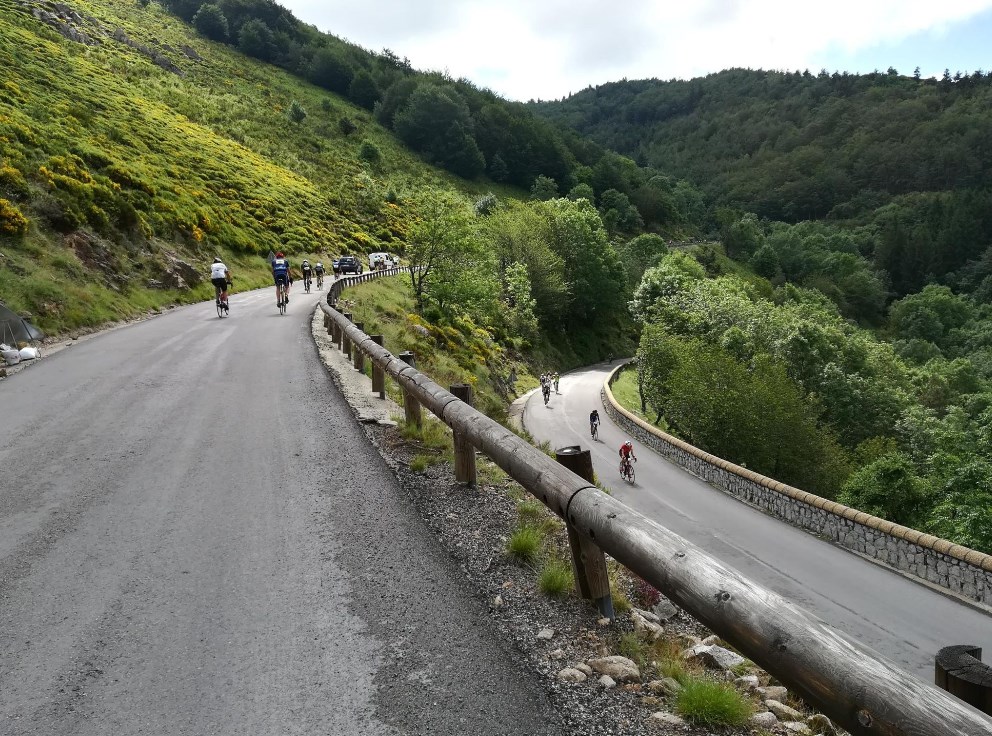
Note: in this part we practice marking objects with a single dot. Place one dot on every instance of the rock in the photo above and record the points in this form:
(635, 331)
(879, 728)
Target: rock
(421, 330)
(714, 657)
(665, 686)
(570, 674)
(607, 682)
(796, 727)
(664, 610)
(653, 618)
(764, 720)
(688, 640)
(748, 682)
(497, 601)
(661, 718)
(546, 634)
(617, 667)
(711, 640)
(557, 654)
(645, 628)
(820, 724)
(782, 711)
(583, 667)
(604, 621)
(773, 692)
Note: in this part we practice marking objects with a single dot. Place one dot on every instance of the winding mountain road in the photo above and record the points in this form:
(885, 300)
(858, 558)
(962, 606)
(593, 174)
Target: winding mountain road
(905, 620)
(196, 537)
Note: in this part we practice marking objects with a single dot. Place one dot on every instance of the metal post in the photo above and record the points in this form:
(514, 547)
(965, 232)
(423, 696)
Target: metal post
(465, 471)
(411, 407)
(359, 356)
(592, 577)
(378, 375)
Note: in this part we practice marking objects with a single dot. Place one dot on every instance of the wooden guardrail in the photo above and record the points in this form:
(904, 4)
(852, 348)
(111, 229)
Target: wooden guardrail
(858, 688)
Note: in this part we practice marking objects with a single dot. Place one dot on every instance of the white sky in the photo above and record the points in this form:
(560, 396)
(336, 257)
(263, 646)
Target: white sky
(547, 49)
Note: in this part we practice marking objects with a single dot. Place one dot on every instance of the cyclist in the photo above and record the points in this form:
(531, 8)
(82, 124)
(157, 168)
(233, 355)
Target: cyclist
(220, 277)
(555, 377)
(594, 423)
(318, 270)
(280, 272)
(626, 454)
(546, 387)
(307, 274)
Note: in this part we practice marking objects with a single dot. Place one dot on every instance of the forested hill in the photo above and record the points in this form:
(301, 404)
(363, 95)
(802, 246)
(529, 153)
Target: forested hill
(798, 146)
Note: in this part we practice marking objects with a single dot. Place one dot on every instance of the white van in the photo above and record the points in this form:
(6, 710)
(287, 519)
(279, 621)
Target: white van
(382, 260)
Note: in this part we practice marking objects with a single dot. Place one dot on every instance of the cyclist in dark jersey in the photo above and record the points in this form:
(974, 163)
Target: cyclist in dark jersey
(280, 272)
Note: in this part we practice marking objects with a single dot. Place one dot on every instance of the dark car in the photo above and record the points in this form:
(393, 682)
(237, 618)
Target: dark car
(349, 264)
(336, 265)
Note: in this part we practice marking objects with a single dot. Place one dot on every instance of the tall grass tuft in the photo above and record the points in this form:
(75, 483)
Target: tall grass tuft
(525, 543)
(556, 578)
(707, 703)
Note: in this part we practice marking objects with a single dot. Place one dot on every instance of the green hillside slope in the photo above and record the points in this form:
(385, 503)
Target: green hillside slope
(132, 151)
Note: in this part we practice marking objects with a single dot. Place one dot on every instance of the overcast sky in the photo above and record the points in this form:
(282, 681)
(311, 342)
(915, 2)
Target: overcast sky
(547, 49)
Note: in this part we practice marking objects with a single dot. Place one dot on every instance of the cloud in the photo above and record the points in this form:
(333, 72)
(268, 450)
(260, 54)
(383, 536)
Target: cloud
(525, 49)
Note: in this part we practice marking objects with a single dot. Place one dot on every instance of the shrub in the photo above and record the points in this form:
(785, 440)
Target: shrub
(296, 112)
(325, 105)
(709, 703)
(525, 543)
(346, 126)
(370, 153)
(210, 22)
(555, 579)
(12, 183)
(12, 222)
(645, 594)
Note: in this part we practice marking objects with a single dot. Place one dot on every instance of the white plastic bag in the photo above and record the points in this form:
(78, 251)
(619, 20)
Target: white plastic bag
(11, 357)
(30, 353)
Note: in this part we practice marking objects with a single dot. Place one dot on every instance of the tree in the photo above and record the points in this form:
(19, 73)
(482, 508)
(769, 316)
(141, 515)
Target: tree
(764, 262)
(369, 153)
(256, 39)
(497, 169)
(394, 100)
(888, 488)
(330, 70)
(641, 253)
(744, 237)
(436, 121)
(543, 188)
(618, 213)
(582, 191)
(363, 90)
(210, 22)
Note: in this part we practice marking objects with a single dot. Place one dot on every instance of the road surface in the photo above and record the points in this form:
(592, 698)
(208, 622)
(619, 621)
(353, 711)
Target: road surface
(197, 538)
(904, 620)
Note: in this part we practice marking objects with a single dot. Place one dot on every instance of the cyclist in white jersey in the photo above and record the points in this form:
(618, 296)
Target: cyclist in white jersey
(220, 277)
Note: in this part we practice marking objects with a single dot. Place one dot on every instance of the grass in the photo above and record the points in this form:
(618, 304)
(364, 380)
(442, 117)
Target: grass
(420, 463)
(625, 392)
(630, 645)
(555, 578)
(667, 654)
(525, 543)
(530, 511)
(704, 702)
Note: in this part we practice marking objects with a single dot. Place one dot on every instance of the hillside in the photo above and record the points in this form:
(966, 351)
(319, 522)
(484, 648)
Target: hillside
(132, 151)
(910, 158)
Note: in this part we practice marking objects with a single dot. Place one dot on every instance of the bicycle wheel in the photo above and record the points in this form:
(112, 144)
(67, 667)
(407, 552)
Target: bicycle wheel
(595, 432)
(220, 309)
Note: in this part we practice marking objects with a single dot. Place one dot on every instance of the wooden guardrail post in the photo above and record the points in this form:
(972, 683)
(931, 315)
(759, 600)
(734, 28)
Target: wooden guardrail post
(378, 375)
(411, 407)
(960, 671)
(592, 577)
(345, 340)
(465, 470)
(359, 357)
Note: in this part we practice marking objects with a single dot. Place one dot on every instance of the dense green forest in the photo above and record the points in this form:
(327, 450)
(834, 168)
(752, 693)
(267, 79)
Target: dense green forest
(840, 338)
(908, 159)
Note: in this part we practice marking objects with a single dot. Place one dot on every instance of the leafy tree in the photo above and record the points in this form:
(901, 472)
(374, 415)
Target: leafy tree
(210, 22)
(256, 39)
(394, 100)
(641, 253)
(931, 315)
(347, 126)
(486, 205)
(582, 191)
(764, 262)
(329, 69)
(744, 237)
(544, 188)
(618, 213)
(888, 488)
(369, 153)
(363, 90)
(497, 168)
(520, 318)
(436, 121)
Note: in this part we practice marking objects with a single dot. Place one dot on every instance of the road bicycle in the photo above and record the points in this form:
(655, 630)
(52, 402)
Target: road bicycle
(547, 394)
(594, 431)
(320, 282)
(306, 284)
(282, 297)
(223, 308)
(627, 470)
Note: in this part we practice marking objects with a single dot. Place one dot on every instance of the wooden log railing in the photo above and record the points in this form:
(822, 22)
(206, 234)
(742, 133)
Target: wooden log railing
(855, 686)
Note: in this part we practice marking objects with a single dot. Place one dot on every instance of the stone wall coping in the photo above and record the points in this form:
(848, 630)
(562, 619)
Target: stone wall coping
(913, 536)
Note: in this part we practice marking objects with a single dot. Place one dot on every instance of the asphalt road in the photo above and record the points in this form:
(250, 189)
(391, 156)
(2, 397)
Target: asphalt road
(906, 621)
(196, 537)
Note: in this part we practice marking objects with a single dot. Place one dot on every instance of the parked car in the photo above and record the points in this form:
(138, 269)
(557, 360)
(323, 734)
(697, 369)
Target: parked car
(349, 264)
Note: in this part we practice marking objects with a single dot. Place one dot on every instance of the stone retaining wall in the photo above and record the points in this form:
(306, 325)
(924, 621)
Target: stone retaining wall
(938, 561)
